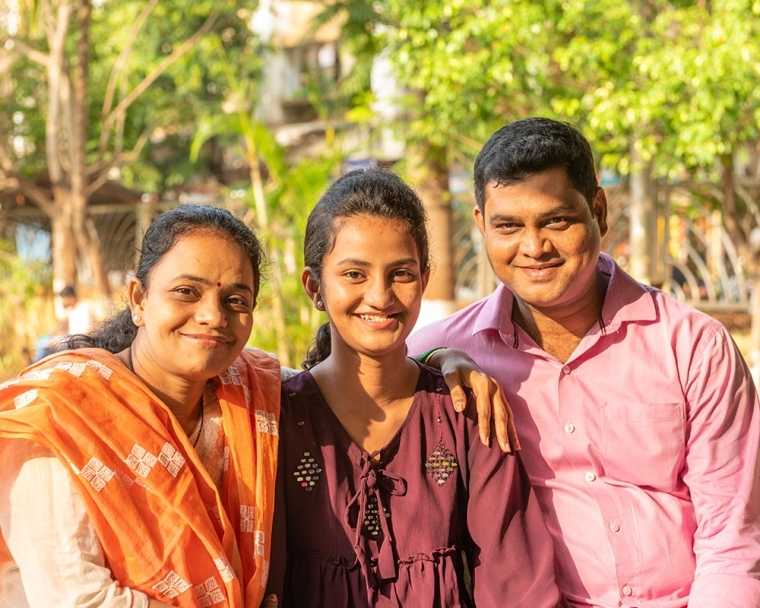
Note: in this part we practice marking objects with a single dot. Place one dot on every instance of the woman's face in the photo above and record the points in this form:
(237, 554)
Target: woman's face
(197, 314)
(372, 285)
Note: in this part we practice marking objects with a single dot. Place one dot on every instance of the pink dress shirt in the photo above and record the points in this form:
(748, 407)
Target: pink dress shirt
(642, 447)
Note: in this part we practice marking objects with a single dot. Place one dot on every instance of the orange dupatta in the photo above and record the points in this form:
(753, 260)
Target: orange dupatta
(164, 527)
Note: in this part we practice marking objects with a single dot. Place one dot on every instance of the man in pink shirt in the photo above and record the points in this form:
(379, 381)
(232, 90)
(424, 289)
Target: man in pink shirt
(638, 418)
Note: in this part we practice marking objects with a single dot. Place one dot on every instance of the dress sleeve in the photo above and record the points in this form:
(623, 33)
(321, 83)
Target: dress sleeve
(50, 536)
(722, 473)
(511, 554)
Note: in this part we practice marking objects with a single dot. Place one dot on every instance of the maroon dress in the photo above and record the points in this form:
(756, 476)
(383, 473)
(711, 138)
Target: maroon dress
(394, 533)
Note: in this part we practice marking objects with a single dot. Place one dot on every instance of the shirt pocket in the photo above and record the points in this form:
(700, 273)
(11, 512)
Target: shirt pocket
(643, 443)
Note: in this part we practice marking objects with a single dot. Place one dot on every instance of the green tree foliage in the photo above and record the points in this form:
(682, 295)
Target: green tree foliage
(92, 93)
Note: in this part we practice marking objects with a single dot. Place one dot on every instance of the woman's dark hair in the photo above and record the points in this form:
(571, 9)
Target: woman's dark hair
(374, 192)
(118, 332)
(532, 145)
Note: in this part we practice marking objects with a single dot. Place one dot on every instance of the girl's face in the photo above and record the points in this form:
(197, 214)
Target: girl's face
(197, 314)
(371, 286)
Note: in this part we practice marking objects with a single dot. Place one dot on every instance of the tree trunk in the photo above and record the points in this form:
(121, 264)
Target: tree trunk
(429, 173)
(64, 248)
(643, 218)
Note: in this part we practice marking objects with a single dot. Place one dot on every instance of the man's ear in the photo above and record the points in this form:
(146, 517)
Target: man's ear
(599, 208)
(479, 220)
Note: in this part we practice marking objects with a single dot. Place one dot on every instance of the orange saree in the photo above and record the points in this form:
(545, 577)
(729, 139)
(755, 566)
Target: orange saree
(164, 527)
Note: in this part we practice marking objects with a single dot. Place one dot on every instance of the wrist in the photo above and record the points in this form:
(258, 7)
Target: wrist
(426, 357)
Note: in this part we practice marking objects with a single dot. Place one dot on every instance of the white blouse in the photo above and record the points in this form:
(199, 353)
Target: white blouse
(59, 559)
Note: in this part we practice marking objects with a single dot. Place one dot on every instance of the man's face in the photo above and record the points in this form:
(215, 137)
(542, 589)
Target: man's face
(543, 240)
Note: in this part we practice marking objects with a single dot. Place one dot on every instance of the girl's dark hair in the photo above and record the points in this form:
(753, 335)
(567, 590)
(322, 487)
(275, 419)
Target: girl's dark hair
(118, 332)
(374, 192)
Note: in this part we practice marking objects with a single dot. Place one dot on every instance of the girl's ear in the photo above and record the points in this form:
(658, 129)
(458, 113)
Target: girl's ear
(425, 279)
(311, 285)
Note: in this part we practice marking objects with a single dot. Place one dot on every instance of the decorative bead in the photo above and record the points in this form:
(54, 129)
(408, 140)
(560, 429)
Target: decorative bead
(441, 464)
(371, 523)
(307, 472)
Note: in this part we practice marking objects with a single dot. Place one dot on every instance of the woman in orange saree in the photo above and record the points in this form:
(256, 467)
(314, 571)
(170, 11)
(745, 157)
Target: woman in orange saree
(138, 467)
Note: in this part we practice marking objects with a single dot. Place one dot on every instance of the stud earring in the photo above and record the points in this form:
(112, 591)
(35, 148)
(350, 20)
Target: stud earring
(320, 305)
(136, 319)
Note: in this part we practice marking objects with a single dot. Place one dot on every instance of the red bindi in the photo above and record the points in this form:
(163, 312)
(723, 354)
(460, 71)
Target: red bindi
(218, 284)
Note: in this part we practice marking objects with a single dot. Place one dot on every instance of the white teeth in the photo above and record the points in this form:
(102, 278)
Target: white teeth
(374, 318)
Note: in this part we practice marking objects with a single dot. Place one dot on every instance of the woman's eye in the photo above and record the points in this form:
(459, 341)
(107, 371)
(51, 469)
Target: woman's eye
(352, 274)
(238, 302)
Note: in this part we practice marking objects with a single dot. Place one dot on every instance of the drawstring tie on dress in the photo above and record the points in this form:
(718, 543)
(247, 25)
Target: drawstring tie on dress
(372, 480)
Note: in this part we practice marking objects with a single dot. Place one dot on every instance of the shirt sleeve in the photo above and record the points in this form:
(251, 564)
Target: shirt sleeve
(50, 536)
(722, 474)
(511, 554)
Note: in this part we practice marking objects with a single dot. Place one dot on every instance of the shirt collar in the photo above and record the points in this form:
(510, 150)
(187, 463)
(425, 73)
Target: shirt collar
(626, 300)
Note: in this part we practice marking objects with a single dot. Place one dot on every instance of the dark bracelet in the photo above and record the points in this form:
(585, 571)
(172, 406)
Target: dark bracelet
(424, 357)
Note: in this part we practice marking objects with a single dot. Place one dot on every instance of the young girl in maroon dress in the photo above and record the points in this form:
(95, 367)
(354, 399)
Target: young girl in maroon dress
(388, 497)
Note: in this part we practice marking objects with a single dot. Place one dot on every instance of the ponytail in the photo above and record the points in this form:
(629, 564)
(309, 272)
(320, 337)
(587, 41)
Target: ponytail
(320, 348)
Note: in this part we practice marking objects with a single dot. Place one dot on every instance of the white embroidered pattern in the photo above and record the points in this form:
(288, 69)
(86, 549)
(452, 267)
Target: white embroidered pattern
(246, 518)
(75, 369)
(266, 422)
(224, 568)
(40, 374)
(97, 473)
(258, 541)
(225, 459)
(125, 479)
(141, 461)
(103, 370)
(171, 459)
(25, 398)
(171, 585)
(208, 593)
(231, 376)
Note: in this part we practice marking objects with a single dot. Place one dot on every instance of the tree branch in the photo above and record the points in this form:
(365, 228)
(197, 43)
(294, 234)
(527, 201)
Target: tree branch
(121, 61)
(184, 48)
(20, 47)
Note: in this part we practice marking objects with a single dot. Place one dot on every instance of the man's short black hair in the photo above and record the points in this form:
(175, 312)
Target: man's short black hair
(532, 145)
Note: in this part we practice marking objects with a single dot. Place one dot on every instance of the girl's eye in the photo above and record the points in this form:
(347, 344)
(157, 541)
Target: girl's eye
(403, 274)
(353, 274)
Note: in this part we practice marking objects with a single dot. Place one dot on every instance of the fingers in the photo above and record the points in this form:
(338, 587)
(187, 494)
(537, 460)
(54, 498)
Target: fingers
(501, 421)
(458, 397)
(270, 602)
(482, 389)
(504, 421)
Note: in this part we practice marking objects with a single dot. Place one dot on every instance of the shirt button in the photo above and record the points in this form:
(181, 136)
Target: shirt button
(566, 370)
(627, 590)
(615, 527)
(569, 427)
(590, 476)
